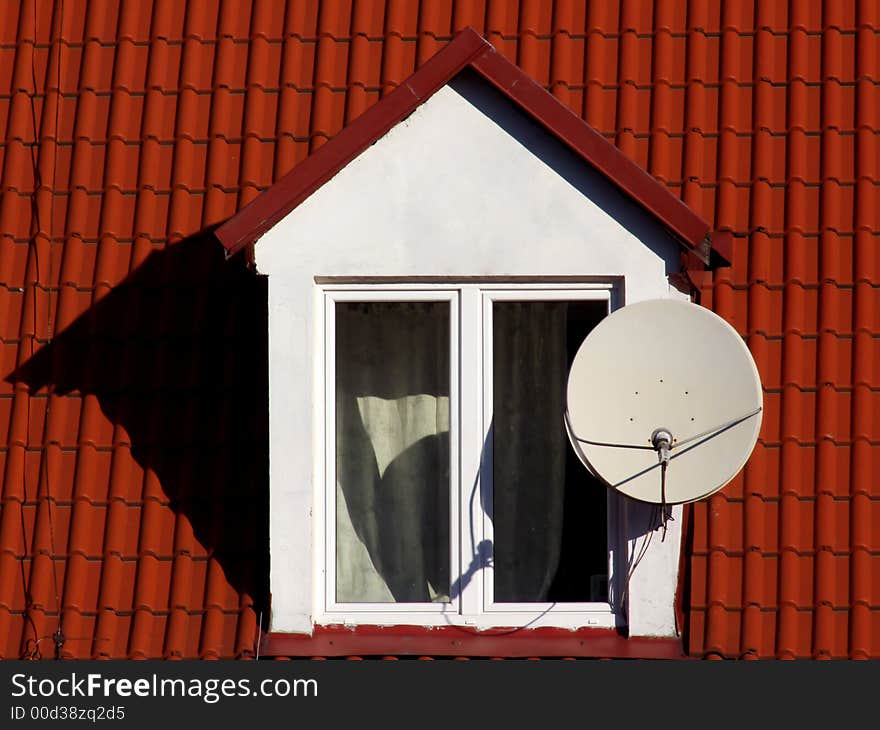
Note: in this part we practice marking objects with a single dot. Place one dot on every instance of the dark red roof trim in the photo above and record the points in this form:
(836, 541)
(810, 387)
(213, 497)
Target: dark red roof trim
(468, 49)
(334, 641)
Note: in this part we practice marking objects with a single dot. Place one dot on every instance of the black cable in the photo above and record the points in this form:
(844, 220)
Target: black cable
(614, 446)
(665, 516)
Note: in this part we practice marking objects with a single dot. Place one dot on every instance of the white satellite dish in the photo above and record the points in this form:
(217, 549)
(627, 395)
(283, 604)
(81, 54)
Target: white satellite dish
(664, 402)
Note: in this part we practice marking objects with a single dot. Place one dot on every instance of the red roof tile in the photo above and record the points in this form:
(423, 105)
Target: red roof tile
(131, 509)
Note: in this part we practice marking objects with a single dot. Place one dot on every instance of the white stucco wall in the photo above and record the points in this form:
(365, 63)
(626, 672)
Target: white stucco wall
(467, 186)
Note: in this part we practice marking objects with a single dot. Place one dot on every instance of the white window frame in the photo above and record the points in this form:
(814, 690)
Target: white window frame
(470, 417)
(377, 611)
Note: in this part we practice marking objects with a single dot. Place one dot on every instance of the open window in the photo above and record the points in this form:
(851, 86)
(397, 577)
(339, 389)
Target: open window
(450, 491)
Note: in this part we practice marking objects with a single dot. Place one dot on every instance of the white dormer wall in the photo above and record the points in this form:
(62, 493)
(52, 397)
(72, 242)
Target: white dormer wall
(467, 186)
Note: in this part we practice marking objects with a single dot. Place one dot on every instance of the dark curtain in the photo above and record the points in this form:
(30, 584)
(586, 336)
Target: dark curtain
(528, 447)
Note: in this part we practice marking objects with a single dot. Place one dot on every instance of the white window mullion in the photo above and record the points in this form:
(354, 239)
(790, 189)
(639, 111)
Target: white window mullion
(455, 401)
(470, 577)
(486, 399)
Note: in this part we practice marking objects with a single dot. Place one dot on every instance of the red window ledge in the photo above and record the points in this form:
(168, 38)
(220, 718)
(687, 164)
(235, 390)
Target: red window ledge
(457, 641)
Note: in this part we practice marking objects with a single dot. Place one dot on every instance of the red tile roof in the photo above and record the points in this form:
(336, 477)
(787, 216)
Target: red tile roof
(133, 451)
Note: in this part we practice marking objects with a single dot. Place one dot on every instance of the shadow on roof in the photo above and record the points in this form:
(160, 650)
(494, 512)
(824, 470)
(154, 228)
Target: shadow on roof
(176, 356)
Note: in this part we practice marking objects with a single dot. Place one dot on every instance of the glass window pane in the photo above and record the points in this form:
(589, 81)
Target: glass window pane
(392, 452)
(549, 513)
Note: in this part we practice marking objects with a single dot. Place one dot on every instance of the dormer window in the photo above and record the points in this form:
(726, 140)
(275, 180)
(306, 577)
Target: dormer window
(431, 273)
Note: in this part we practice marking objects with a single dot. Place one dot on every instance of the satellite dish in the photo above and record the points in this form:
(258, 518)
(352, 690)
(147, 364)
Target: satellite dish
(664, 402)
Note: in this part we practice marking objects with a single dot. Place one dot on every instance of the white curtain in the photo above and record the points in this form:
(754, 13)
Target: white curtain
(392, 447)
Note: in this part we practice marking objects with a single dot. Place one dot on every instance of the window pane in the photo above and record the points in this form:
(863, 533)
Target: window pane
(392, 452)
(549, 513)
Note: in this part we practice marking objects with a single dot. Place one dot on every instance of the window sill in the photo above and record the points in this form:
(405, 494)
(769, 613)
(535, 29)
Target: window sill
(457, 641)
